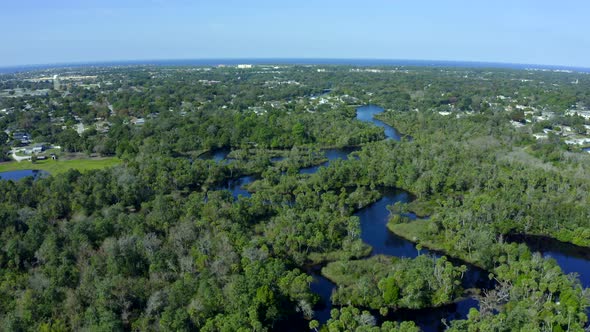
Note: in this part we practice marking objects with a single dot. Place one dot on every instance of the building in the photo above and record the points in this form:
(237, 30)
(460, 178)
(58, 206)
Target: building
(38, 148)
(244, 66)
(35, 149)
(56, 83)
(138, 121)
(22, 137)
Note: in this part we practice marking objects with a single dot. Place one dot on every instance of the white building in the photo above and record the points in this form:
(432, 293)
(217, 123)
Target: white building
(138, 121)
(56, 83)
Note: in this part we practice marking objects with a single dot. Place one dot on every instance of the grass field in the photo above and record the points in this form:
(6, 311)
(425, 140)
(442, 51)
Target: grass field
(60, 166)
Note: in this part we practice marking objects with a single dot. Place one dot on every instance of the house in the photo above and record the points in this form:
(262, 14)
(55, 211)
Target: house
(35, 149)
(22, 137)
(38, 148)
(138, 121)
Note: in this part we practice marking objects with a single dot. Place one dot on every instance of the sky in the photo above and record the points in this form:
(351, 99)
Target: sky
(517, 31)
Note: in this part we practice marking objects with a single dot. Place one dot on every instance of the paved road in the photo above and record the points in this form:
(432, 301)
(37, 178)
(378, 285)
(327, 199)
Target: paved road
(18, 158)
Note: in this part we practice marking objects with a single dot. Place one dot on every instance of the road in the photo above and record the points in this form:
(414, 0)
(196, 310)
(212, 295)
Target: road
(18, 158)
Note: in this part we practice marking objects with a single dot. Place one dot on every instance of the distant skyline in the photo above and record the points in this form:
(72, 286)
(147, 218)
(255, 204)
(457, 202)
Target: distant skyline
(67, 31)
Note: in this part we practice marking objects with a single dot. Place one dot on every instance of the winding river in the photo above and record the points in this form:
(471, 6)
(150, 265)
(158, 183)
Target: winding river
(367, 113)
(373, 221)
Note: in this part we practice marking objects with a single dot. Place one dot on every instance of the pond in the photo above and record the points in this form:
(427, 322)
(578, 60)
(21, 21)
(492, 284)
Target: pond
(20, 174)
(236, 186)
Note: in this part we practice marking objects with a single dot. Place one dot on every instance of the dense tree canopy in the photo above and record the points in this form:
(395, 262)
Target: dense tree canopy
(158, 243)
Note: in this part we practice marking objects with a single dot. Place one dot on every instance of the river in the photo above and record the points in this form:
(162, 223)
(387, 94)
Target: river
(367, 113)
(373, 221)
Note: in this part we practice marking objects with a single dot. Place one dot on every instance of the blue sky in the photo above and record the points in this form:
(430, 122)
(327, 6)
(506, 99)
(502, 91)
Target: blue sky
(517, 31)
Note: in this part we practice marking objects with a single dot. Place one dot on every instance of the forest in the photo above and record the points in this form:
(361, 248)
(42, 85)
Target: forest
(162, 242)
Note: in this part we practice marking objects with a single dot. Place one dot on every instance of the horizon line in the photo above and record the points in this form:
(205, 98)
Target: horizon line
(292, 61)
